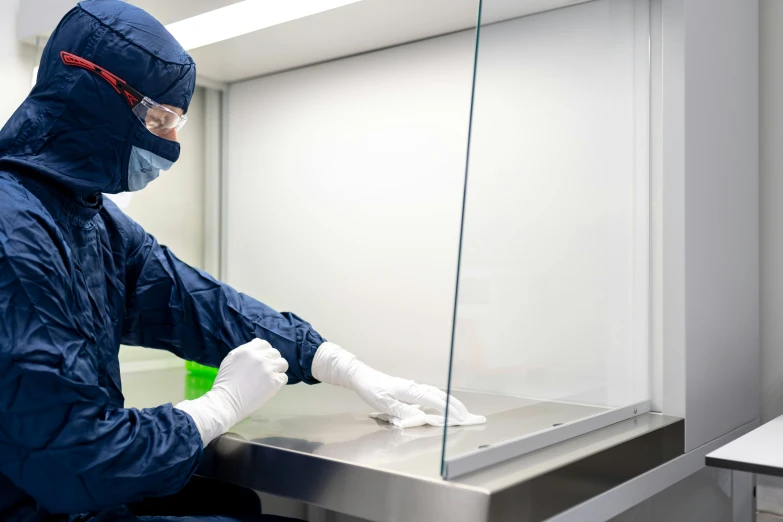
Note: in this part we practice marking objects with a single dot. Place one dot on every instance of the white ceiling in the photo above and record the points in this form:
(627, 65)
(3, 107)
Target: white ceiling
(170, 11)
(356, 28)
(361, 27)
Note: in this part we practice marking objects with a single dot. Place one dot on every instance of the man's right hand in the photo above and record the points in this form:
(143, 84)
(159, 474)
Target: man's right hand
(248, 377)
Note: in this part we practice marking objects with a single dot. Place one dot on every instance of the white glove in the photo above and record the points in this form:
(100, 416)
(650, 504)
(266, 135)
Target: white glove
(397, 399)
(248, 377)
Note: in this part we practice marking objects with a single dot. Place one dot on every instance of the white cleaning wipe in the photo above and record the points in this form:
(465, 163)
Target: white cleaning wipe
(430, 419)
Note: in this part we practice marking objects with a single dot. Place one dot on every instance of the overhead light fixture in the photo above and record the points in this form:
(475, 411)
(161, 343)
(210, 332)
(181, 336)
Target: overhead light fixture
(245, 17)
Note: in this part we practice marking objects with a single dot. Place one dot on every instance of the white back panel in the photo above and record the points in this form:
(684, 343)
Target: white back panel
(345, 186)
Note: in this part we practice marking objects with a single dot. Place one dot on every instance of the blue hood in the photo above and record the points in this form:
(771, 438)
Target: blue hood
(74, 130)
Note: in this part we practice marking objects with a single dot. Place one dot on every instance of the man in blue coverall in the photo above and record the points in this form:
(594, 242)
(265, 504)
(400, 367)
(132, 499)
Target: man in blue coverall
(78, 278)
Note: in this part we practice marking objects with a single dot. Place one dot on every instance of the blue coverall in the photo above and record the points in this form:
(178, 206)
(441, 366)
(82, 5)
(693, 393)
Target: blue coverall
(78, 278)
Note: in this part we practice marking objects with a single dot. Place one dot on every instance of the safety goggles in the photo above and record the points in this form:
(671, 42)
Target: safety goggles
(158, 119)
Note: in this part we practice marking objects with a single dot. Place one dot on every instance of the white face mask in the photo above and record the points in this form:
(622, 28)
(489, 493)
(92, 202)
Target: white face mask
(144, 167)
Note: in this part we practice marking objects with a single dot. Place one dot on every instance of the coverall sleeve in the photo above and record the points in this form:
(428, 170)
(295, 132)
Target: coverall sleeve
(61, 440)
(176, 307)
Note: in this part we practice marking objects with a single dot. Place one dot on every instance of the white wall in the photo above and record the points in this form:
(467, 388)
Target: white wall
(41, 16)
(345, 191)
(16, 62)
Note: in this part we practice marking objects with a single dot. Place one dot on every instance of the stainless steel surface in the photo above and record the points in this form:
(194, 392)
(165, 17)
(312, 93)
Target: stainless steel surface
(521, 442)
(607, 505)
(743, 498)
(335, 423)
(318, 445)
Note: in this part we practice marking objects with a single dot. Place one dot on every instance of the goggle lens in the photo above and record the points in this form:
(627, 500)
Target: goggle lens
(158, 119)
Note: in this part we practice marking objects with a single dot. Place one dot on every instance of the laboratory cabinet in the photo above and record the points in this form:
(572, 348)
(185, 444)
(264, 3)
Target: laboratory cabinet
(364, 159)
(548, 208)
(545, 214)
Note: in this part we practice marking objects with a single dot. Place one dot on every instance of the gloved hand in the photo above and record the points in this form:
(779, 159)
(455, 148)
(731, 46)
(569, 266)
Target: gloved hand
(248, 377)
(397, 399)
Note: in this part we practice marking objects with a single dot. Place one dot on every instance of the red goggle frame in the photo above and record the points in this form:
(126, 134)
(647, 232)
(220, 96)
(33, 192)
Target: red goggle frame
(130, 94)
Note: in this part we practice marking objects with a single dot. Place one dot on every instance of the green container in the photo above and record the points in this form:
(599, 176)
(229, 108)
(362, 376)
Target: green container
(199, 369)
(197, 385)
(199, 379)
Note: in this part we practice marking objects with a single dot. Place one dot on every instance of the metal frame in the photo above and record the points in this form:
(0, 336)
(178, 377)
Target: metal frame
(624, 497)
(226, 104)
(213, 173)
(743, 498)
(471, 462)
(216, 175)
(531, 488)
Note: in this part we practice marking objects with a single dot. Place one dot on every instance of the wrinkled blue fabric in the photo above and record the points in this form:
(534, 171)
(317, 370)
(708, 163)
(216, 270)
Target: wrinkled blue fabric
(144, 168)
(78, 277)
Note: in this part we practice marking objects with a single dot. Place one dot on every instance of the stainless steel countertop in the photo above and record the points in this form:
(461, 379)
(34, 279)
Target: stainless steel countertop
(318, 445)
